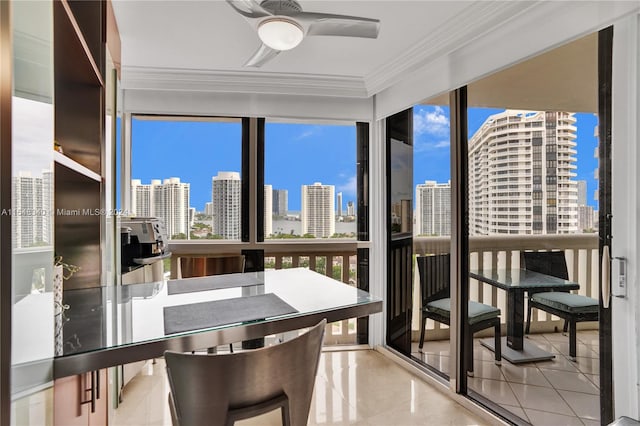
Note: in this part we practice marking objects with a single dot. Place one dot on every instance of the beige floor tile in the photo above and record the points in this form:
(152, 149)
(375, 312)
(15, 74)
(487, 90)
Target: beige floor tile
(595, 379)
(536, 397)
(487, 370)
(588, 365)
(498, 391)
(588, 422)
(439, 347)
(453, 416)
(566, 380)
(518, 411)
(560, 362)
(584, 405)
(524, 374)
(440, 363)
(483, 354)
(582, 350)
(543, 418)
(556, 337)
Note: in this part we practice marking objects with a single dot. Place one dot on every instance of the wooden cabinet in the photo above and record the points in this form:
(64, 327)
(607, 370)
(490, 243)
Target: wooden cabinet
(81, 400)
(79, 48)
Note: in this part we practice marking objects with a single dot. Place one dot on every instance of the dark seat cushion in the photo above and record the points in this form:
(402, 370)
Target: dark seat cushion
(566, 302)
(477, 311)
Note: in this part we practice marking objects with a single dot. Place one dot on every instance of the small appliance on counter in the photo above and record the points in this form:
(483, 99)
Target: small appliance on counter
(142, 249)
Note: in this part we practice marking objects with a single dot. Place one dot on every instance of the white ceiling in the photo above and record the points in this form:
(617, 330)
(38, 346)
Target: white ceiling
(177, 40)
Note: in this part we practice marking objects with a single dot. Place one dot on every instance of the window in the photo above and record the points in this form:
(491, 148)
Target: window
(310, 180)
(186, 171)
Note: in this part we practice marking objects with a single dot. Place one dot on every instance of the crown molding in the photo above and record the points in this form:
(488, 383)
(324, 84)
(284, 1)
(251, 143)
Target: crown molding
(475, 21)
(145, 78)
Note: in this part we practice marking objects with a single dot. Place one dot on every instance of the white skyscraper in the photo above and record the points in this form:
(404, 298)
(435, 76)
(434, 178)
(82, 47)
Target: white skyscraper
(351, 208)
(521, 170)
(32, 204)
(318, 210)
(268, 210)
(168, 200)
(226, 193)
(433, 208)
(339, 203)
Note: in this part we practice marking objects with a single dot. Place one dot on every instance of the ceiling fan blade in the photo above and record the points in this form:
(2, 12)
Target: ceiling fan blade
(263, 55)
(339, 25)
(249, 8)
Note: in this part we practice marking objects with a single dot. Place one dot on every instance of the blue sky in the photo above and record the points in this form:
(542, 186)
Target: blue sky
(301, 154)
(296, 154)
(431, 159)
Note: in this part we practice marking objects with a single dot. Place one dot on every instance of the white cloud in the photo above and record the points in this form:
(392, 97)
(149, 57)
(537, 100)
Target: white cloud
(431, 145)
(348, 187)
(431, 121)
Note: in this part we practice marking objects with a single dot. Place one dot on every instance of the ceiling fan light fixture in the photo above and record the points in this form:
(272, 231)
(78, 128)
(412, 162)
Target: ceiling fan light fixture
(280, 33)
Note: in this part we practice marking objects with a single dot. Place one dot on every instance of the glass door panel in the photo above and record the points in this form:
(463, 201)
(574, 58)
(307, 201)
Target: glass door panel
(532, 186)
(33, 283)
(431, 234)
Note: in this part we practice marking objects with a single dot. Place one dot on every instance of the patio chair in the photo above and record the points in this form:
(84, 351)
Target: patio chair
(435, 287)
(222, 389)
(572, 308)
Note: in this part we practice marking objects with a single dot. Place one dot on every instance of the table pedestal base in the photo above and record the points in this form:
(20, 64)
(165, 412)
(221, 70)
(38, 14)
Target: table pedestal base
(529, 353)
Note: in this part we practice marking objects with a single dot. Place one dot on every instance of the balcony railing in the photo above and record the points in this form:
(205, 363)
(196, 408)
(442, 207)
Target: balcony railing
(334, 257)
(486, 251)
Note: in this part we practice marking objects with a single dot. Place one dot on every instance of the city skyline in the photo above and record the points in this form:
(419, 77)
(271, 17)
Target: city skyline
(299, 154)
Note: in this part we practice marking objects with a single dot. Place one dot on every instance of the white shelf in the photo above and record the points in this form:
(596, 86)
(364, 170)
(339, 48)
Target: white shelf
(75, 166)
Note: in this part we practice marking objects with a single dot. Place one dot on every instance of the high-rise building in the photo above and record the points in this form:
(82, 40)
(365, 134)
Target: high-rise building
(32, 209)
(582, 192)
(339, 203)
(585, 218)
(168, 200)
(280, 202)
(521, 170)
(268, 210)
(433, 208)
(208, 208)
(142, 197)
(226, 196)
(318, 213)
(351, 208)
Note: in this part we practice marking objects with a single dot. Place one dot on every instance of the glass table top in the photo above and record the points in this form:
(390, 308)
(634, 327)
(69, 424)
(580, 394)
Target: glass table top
(516, 278)
(111, 317)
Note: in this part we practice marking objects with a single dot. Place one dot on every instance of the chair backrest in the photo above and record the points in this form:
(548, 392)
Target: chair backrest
(205, 266)
(546, 262)
(435, 282)
(205, 387)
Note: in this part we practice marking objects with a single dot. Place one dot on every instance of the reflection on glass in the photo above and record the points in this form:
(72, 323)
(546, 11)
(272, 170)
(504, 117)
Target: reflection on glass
(32, 345)
(432, 230)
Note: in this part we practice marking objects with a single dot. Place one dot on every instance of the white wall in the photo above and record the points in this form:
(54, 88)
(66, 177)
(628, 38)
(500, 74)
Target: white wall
(625, 210)
(248, 105)
(548, 25)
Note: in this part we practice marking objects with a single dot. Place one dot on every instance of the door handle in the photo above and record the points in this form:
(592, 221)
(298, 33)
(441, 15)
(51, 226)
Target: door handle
(606, 277)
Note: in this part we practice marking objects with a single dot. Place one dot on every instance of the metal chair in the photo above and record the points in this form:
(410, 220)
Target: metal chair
(222, 389)
(573, 308)
(436, 305)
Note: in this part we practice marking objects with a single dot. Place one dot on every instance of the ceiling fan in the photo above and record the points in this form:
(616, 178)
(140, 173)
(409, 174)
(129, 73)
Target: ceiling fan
(281, 25)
